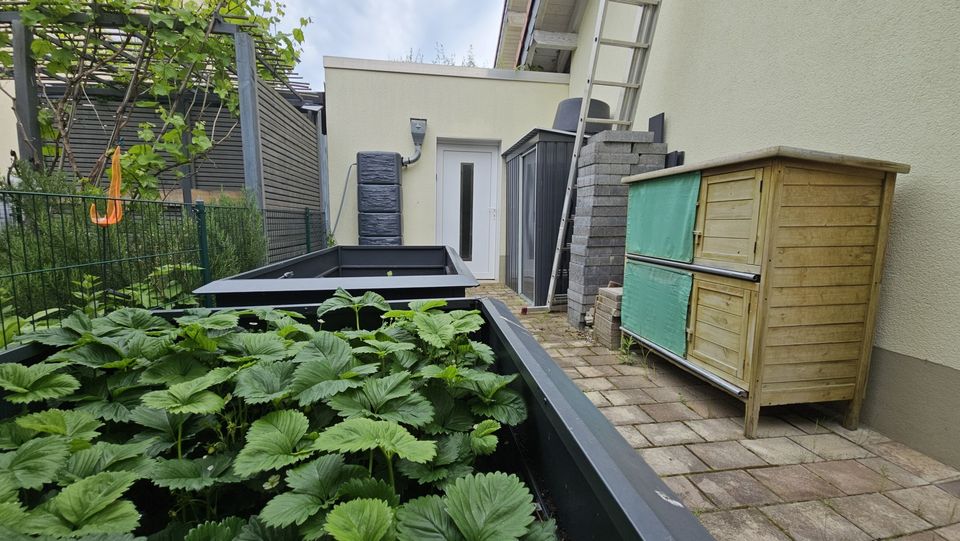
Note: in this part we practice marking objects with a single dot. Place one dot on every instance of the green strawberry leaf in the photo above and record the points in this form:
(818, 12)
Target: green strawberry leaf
(88, 506)
(368, 487)
(191, 396)
(187, 474)
(227, 529)
(75, 425)
(258, 530)
(483, 439)
(259, 347)
(437, 330)
(104, 456)
(272, 443)
(490, 506)
(160, 428)
(326, 368)
(265, 382)
(541, 531)
(36, 462)
(359, 434)
(390, 398)
(175, 368)
(25, 384)
(425, 519)
(506, 406)
(314, 487)
(360, 520)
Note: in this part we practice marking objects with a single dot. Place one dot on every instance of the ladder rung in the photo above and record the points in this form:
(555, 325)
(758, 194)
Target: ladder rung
(608, 121)
(638, 2)
(616, 83)
(622, 43)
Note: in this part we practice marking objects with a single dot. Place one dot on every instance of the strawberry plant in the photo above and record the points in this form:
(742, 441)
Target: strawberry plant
(259, 424)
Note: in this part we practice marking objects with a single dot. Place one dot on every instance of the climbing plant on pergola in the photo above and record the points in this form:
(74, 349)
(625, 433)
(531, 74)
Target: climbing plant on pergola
(175, 58)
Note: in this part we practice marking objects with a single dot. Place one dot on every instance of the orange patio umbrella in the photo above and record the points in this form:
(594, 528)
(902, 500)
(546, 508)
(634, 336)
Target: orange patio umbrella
(114, 205)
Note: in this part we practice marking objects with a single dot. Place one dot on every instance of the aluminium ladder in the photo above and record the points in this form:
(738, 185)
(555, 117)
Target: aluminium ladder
(623, 120)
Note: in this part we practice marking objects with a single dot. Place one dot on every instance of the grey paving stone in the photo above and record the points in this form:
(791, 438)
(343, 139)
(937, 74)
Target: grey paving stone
(852, 477)
(716, 429)
(832, 446)
(741, 525)
(913, 461)
(733, 488)
(673, 411)
(594, 384)
(626, 397)
(779, 451)
(726, 455)
(795, 483)
(626, 415)
(893, 472)
(633, 436)
(813, 521)
(930, 503)
(689, 494)
(877, 515)
(772, 427)
(672, 460)
(663, 434)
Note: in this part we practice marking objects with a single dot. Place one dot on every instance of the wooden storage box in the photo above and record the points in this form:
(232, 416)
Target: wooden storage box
(759, 272)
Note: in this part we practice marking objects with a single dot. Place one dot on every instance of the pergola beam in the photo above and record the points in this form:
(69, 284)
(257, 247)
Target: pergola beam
(25, 91)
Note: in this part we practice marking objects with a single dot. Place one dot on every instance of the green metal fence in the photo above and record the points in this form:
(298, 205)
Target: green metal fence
(54, 260)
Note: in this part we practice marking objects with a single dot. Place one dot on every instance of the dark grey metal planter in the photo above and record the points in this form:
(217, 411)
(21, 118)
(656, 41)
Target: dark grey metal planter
(396, 272)
(582, 471)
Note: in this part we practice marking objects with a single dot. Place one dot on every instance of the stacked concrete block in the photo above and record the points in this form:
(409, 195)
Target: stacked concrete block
(606, 317)
(600, 223)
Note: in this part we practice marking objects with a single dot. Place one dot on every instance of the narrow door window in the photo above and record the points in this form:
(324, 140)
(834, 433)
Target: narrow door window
(466, 211)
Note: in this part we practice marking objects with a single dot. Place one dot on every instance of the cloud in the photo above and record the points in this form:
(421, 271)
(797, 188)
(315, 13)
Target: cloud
(389, 29)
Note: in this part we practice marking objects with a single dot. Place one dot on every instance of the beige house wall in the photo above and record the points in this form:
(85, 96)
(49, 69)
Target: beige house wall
(369, 105)
(877, 78)
(9, 136)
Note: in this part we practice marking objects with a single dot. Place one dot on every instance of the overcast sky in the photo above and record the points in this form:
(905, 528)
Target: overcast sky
(388, 29)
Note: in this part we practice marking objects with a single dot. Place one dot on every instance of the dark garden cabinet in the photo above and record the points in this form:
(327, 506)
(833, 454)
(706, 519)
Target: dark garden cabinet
(537, 167)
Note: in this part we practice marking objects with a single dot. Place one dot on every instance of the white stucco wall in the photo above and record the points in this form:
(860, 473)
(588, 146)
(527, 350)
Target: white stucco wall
(878, 78)
(369, 104)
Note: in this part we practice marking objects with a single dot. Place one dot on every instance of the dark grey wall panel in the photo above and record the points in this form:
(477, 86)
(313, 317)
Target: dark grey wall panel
(221, 169)
(290, 153)
(380, 241)
(378, 198)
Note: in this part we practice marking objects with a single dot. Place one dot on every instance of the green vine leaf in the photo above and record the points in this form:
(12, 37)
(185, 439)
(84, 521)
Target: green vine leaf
(361, 520)
(25, 384)
(490, 506)
(272, 443)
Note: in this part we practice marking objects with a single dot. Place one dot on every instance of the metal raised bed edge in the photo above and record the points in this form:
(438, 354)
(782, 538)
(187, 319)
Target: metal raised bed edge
(597, 486)
(264, 285)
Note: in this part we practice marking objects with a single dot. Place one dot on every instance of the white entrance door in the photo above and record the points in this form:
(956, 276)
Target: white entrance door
(467, 205)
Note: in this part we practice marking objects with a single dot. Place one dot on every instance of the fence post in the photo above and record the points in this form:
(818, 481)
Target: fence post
(306, 224)
(202, 241)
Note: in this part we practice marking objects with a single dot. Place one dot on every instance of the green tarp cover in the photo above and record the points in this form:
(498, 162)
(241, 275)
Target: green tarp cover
(661, 215)
(655, 302)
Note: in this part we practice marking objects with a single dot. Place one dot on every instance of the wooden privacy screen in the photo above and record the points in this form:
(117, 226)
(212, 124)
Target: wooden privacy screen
(787, 256)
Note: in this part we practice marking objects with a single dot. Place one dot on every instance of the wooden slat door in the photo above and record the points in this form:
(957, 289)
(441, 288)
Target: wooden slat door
(721, 326)
(728, 217)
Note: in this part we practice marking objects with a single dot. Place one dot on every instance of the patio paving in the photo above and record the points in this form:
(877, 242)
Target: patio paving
(804, 477)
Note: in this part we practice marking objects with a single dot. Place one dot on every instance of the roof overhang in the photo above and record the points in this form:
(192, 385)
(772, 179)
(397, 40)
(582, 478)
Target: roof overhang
(539, 35)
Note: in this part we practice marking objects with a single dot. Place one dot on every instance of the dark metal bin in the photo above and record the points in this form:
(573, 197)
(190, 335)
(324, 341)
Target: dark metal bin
(396, 272)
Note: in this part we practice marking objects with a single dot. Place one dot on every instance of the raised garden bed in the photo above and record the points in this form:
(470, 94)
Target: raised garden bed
(577, 467)
(395, 272)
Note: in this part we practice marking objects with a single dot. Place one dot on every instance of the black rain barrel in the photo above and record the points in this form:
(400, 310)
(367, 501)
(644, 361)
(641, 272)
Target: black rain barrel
(568, 112)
